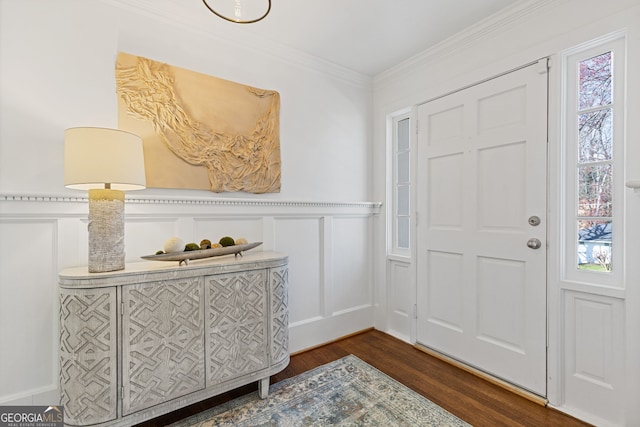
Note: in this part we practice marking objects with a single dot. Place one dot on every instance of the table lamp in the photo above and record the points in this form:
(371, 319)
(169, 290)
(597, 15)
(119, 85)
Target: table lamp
(106, 162)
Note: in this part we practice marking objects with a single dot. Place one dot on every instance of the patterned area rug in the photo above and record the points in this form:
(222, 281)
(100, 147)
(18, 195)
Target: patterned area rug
(347, 392)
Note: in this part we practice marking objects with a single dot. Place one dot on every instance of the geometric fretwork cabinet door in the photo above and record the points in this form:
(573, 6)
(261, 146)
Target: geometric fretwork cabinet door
(237, 324)
(162, 334)
(279, 313)
(88, 358)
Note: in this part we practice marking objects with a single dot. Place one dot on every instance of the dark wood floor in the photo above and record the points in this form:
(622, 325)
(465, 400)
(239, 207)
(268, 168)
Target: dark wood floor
(473, 399)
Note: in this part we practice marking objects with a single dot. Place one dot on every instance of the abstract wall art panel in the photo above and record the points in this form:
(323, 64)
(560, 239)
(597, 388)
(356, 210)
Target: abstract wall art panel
(200, 132)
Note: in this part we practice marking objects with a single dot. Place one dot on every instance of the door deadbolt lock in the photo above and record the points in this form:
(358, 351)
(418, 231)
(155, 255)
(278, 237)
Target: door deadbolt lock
(534, 243)
(534, 220)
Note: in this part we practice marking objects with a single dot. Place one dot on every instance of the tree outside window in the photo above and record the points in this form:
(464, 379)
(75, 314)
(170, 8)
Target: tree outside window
(594, 211)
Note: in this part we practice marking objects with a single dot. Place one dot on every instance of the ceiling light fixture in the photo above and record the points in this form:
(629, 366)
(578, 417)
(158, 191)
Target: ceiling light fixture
(239, 11)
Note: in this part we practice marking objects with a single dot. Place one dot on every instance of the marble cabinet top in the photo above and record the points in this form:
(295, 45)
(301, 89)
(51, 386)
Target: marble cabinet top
(138, 272)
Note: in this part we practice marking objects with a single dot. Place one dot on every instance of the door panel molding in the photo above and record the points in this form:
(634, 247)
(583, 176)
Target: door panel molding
(482, 173)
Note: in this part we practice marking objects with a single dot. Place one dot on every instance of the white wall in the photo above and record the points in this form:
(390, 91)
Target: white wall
(529, 31)
(57, 61)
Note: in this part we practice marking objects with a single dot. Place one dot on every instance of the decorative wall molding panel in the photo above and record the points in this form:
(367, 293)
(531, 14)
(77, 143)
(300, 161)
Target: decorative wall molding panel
(401, 305)
(29, 308)
(593, 343)
(328, 297)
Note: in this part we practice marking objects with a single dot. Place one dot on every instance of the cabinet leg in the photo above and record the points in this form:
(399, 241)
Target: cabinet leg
(263, 388)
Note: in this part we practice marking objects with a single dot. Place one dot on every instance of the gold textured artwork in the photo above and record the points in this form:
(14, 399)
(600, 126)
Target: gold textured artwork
(198, 131)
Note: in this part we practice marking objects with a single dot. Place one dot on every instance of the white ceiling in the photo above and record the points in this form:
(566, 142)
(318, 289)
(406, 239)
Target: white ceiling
(365, 36)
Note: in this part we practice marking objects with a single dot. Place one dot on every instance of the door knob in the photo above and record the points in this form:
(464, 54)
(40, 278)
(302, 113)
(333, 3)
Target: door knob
(534, 243)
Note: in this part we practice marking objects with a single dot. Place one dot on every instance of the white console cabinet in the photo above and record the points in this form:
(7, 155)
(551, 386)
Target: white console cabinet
(154, 337)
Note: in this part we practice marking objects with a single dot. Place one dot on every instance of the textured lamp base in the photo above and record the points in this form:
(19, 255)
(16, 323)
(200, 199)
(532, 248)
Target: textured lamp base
(106, 230)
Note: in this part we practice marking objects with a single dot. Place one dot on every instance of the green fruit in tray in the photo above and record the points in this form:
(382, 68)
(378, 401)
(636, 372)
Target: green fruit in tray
(227, 241)
(205, 244)
(191, 247)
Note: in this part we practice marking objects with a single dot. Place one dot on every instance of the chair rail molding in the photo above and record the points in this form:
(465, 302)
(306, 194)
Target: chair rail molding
(166, 200)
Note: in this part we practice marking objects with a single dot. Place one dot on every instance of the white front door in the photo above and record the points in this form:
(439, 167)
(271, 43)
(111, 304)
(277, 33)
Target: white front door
(481, 212)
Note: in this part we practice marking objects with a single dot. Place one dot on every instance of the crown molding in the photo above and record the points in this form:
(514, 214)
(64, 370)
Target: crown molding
(469, 36)
(178, 16)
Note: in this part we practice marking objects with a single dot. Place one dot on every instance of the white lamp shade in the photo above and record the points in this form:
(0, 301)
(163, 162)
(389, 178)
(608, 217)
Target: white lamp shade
(95, 156)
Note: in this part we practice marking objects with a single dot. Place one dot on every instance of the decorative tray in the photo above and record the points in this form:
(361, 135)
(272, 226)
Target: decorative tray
(184, 257)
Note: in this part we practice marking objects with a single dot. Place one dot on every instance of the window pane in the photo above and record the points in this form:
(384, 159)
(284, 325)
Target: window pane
(403, 134)
(401, 220)
(595, 137)
(594, 245)
(595, 191)
(595, 82)
(403, 232)
(403, 167)
(403, 200)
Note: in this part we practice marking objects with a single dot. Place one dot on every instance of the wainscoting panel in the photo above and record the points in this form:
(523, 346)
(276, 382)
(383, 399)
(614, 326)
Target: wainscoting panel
(300, 239)
(594, 363)
(330, 271)
(328, 244)
(400, 299)
(352, 288)
(145, 235)
(28, 307)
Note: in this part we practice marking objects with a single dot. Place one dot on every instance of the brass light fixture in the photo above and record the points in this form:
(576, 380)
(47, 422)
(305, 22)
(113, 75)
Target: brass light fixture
(239, 11)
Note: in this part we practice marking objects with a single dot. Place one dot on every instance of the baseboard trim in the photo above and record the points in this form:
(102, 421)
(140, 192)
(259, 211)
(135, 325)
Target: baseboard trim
(344, 337)
(497, 381)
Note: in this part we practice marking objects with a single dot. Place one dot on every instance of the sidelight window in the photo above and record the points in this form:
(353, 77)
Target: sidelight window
(594, 201)
(594, 141)
(401, 185)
